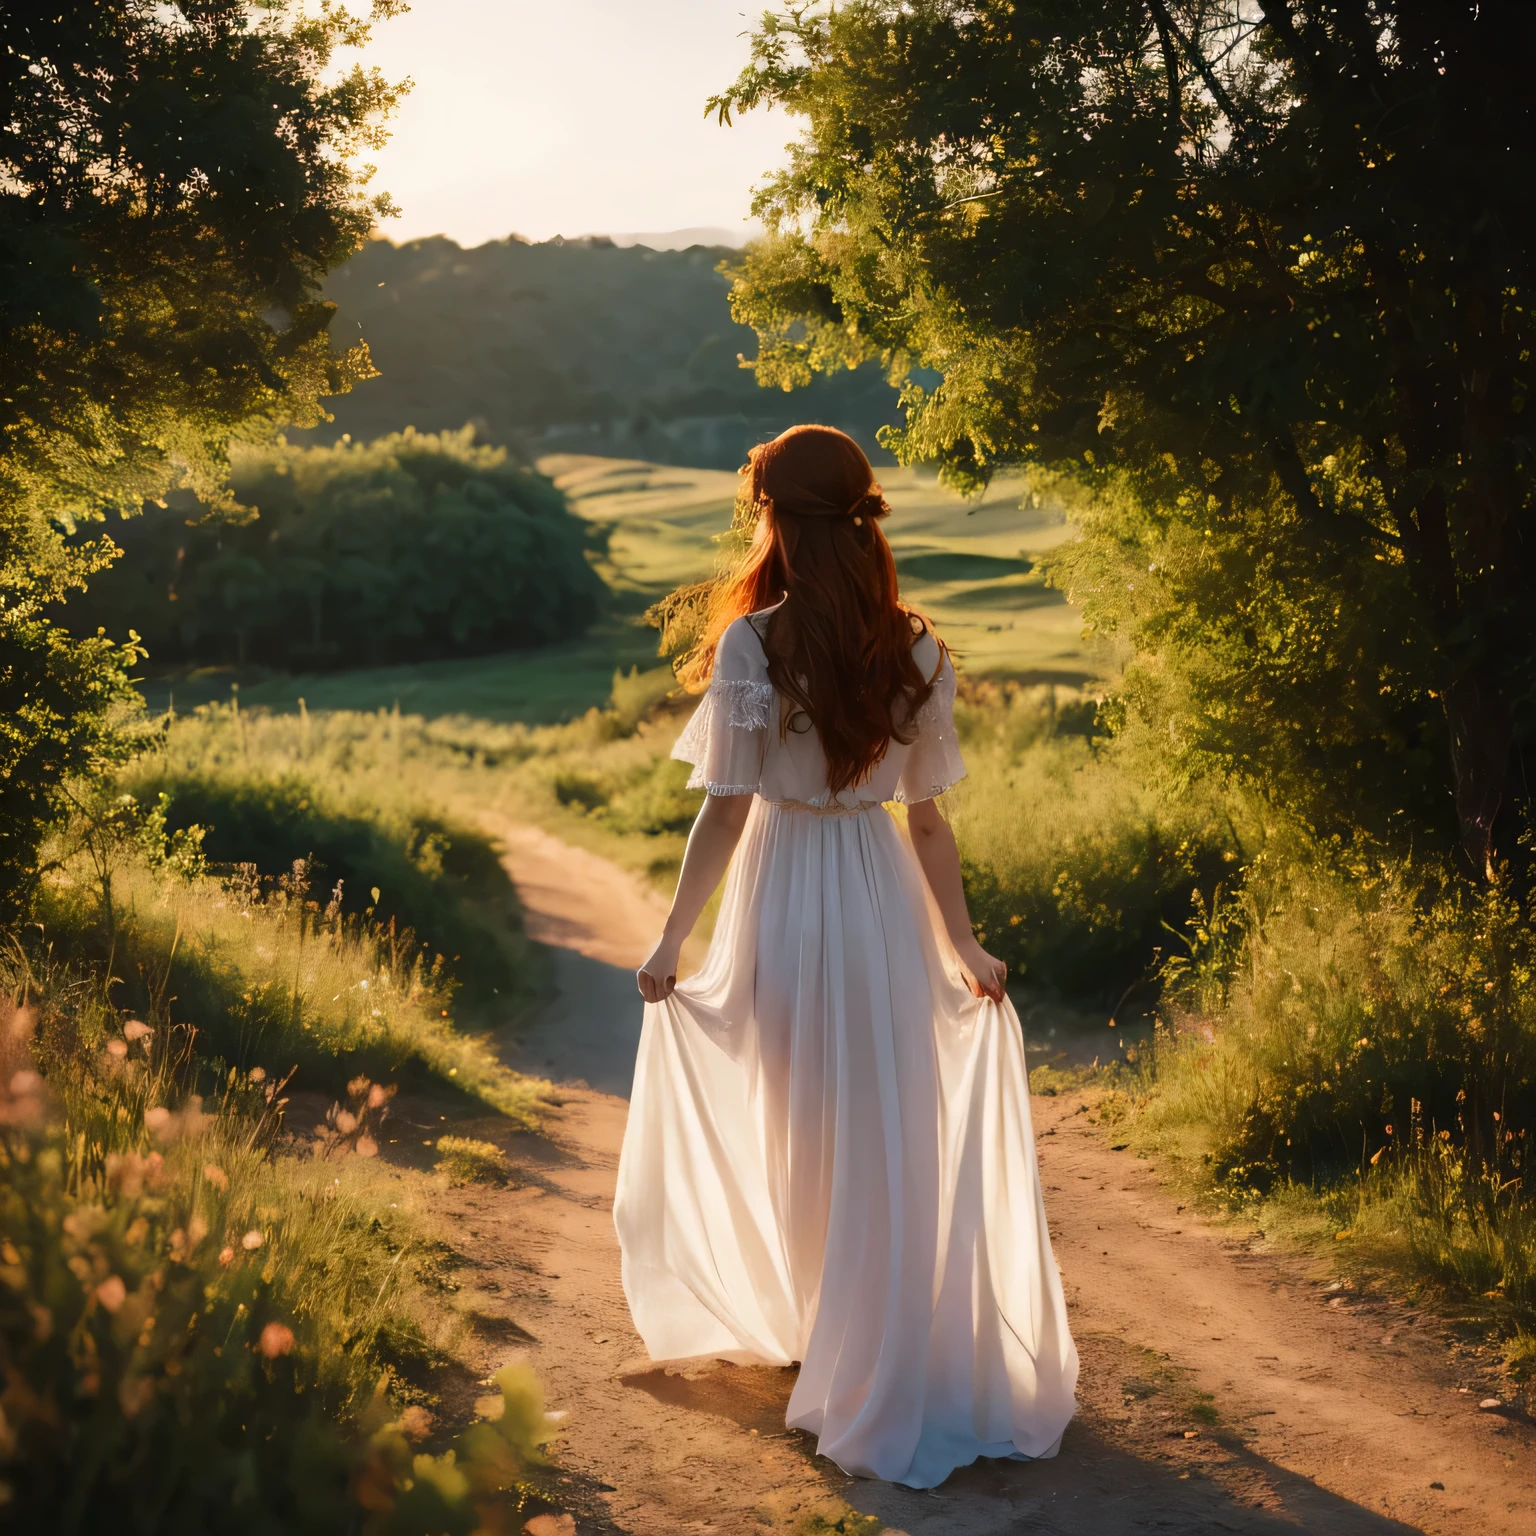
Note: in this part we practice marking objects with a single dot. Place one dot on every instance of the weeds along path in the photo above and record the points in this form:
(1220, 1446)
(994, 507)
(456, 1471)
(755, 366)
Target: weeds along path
(1223, 1388)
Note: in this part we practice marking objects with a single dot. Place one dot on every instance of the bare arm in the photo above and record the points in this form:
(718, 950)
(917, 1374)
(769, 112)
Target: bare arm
(934, 843)
(711, 843)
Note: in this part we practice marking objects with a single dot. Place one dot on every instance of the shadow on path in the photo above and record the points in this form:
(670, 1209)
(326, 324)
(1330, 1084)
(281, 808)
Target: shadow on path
(1094, 1488)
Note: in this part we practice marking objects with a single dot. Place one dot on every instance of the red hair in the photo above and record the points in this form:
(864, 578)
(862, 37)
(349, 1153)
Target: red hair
(839, 647)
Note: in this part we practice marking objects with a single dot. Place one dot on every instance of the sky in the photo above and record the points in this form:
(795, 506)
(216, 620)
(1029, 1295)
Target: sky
(569, 117)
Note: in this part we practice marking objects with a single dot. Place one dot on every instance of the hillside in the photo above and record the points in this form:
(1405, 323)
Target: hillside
(571, 346)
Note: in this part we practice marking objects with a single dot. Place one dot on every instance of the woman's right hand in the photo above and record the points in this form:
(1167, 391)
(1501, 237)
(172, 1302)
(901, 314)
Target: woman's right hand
(984, 974)
(658, 976)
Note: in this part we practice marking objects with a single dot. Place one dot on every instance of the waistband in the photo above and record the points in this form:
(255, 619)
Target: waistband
(832, 808)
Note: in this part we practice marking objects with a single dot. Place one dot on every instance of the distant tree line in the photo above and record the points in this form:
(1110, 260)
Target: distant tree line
(573, 346)
(407, 548)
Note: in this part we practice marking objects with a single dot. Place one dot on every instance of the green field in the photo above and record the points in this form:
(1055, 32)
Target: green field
(968, 564)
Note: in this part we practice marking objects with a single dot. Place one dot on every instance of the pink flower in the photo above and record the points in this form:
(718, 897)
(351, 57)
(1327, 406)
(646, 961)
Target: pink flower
(117, 1049)
(346, 1122)
(415, 1423)
(26, 1081)
(136, 1029)
(157, 1121)
(258, 1074)
(378, 1095)
(216, 1176)
(252, 1240)
(276, 1339)
(367, 1147)
(226, 1256)
(112, 1293)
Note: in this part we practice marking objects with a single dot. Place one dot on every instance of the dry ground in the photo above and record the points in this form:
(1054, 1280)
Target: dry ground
(1224, 1388)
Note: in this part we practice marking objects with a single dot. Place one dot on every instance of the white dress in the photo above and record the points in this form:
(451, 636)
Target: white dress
(829, 1156)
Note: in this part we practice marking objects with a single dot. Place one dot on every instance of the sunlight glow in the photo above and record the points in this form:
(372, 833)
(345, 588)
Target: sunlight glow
(568, 117)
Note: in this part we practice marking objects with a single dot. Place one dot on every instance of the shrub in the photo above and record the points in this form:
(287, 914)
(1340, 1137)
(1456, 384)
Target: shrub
(403, 549)
(1074, 870)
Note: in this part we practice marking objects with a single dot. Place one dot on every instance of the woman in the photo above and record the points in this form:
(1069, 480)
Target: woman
(829, 1157)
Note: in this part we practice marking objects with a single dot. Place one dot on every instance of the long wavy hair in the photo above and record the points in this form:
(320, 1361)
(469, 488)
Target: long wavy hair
(839, 647)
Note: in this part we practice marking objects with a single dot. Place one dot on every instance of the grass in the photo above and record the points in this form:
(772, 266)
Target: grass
(200, 1327)
(273, 975)
(467, 1161)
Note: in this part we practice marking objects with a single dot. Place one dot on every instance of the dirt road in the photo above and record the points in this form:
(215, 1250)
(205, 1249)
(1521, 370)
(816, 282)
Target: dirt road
(1224, 1389)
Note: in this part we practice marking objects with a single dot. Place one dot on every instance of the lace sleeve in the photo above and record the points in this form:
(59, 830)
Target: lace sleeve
(727, 735)
(727, 738)
(934, 764)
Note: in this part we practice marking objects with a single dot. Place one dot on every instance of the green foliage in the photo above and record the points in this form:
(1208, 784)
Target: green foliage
(1365, 1009)
(1261, 282)
(1073, 871)
(173, 186)
(404, 549)
(467, 1161)
(58, 697)
(572, 346)
(193, 1332)
(272, 977)
(436, 878)
(198, 1337)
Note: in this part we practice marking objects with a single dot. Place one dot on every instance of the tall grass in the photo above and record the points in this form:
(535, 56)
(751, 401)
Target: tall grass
(272, 978)
(1076, 872)
(1358, 1041)
(196, 1333)
(208, 1320)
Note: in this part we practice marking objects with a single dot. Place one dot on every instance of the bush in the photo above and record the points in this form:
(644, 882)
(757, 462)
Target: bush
(1074, 871)
(407, 548)
(1364, 1010)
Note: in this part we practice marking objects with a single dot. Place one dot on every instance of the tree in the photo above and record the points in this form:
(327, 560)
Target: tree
(1260, 272)
(175, 180)
(413, 547)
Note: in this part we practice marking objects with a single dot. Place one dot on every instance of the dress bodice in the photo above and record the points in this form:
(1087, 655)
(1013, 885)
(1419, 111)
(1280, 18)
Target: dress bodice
(746, 738)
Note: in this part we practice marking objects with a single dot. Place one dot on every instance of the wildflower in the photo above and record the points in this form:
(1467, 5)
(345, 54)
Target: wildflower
(117, 1049)
(216, 1176)
(157, 1122)
(276, 1339)
(112, 1293)
(378, 1096)
(357, 1087)
(367, 1147)
(346, 1122)
(136, 1029)
(226, 1256)
(27, 1081)
(258, 1074)
(252, 1240)
(415, 1423)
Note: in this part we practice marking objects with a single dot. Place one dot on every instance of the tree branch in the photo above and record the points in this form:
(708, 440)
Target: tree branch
(1293, 479)
(1164, 25)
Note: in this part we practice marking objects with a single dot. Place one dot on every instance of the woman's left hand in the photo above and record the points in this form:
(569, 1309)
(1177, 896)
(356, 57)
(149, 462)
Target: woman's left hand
(984, 973)
(658, 976)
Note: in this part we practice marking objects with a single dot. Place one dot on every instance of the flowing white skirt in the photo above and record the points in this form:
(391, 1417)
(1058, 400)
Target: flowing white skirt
(829, 1160)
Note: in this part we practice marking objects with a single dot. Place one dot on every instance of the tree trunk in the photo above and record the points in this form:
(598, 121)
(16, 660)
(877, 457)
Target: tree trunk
(1478, 717)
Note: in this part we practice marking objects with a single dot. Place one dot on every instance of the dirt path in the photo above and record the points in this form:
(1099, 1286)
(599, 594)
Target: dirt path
(1223, 1388)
